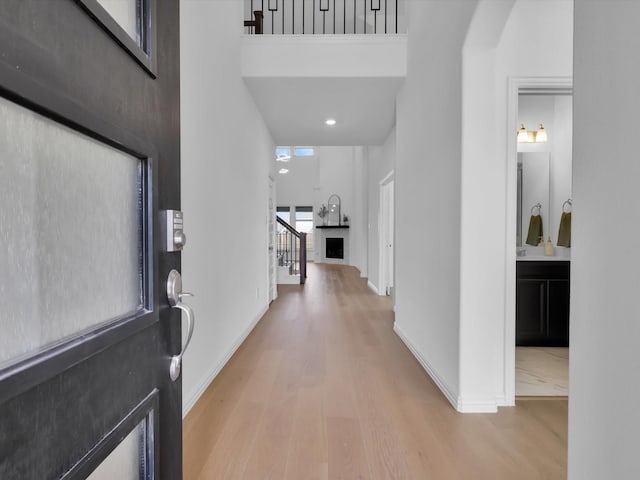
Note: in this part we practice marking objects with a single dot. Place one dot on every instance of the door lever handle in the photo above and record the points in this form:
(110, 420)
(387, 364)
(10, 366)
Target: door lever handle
(175, 296)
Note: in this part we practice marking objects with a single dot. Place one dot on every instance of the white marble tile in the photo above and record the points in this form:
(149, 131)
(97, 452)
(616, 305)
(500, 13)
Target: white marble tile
(542, 371)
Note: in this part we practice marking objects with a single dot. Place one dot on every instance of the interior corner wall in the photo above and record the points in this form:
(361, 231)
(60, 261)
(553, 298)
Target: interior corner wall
(428, 189)
(360, 216)
(226, 155)
(604, 418)
(543, 29)
(381, 162)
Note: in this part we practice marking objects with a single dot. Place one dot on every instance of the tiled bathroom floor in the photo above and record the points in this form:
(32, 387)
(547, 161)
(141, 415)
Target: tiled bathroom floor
(542, 371)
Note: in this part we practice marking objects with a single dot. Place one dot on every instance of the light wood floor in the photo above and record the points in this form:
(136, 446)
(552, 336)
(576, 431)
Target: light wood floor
(323, 389)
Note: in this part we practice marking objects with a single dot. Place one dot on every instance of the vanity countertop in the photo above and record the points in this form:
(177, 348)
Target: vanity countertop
(543, 258)
(536, 254)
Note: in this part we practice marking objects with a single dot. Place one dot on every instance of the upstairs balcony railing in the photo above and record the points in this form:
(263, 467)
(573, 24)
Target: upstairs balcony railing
(335, 17)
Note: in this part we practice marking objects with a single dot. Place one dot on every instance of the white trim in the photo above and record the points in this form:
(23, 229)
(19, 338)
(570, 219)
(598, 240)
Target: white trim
(515, 84)
(326, 39)
(387, 178)
(188, 404)
(373, 288)
(477, 405)
(442, 385)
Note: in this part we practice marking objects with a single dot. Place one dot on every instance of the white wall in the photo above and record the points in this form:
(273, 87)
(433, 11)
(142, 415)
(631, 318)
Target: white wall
(427, 186)
(226, 156)
(604, 419)
(536, 40)
(360, 216)
(381, 161)
(561, 160)
(312, 180)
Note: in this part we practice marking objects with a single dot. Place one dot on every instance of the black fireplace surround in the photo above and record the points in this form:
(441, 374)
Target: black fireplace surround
(334, 248)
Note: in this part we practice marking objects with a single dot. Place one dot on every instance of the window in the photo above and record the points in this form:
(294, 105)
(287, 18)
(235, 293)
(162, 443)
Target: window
(304, 223)
(286, 152)
(283, 151)
(131, 23)
(284, 213)
(304, 152)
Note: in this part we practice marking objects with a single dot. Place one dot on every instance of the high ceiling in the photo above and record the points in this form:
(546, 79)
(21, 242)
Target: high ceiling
(295, 109)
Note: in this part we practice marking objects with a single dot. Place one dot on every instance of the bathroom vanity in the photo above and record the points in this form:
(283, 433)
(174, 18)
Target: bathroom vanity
(542, 301)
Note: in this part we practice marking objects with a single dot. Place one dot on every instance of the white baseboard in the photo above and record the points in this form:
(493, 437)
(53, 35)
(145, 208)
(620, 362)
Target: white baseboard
(373, 288)
(503, 402)
(187, 404)
(461, 404)
(477, 405)
(442, 385)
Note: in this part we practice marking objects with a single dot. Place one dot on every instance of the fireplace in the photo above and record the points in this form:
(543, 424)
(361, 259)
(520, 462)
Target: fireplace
(335, 248)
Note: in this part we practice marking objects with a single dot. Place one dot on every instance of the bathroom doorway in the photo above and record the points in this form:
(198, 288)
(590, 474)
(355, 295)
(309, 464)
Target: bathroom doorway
(540, 266)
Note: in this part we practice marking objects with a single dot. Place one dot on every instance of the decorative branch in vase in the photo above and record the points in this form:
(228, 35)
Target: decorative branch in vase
(345, 219)
(322, 213)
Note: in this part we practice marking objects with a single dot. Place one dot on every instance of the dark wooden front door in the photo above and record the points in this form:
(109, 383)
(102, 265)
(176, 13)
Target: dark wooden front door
(89, 160)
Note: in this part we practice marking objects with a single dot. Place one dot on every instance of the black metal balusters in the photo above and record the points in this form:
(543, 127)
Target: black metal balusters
(361, 14)
(291, 249)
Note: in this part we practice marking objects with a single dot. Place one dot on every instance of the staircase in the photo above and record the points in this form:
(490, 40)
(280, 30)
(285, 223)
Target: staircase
(291, 254)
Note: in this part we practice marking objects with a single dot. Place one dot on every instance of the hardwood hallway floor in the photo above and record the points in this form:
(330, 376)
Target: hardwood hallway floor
(324, 389)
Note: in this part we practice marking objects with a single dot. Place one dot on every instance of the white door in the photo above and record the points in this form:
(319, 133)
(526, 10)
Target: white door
(273, 292)
(386, 236)
(389, 237)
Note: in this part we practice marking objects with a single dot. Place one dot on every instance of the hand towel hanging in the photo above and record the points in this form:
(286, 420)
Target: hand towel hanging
(535, 227)
(564, 232)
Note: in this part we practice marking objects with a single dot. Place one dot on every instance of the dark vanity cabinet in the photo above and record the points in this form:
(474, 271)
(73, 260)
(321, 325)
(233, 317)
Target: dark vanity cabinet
(542, 303)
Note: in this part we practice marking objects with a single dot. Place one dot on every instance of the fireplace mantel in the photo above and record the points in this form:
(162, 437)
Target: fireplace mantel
(332, 226)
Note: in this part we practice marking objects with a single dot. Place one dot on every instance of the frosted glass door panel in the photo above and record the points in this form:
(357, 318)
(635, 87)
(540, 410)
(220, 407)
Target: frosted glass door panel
(70, 232)
(128, 461)
(125, 13)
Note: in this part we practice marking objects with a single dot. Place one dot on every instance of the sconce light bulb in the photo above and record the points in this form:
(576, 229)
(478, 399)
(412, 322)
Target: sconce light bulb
(523, 137)
(541, 134)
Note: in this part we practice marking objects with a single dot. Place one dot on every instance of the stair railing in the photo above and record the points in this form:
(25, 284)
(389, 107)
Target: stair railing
(335, 17)
(291, 250)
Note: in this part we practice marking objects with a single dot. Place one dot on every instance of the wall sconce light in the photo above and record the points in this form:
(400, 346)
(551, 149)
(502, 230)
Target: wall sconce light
(522, 134)
(530, 136)
(541, 134)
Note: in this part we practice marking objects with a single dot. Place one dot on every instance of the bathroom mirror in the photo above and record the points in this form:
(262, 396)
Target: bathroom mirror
(544, 166)
(533, 192)
(333, 215)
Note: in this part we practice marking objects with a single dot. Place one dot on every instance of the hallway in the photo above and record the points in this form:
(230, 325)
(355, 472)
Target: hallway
(323, 388)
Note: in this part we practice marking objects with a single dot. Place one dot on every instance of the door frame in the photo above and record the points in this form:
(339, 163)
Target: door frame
(515, 85)
(383, 221)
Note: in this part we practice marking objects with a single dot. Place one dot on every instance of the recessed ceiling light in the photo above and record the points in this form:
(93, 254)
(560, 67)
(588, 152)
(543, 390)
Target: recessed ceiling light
(330, 121)
(283, 158)
(283, 171)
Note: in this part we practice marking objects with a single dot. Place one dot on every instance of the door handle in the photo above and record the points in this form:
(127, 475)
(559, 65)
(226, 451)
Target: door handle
(175, 296)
